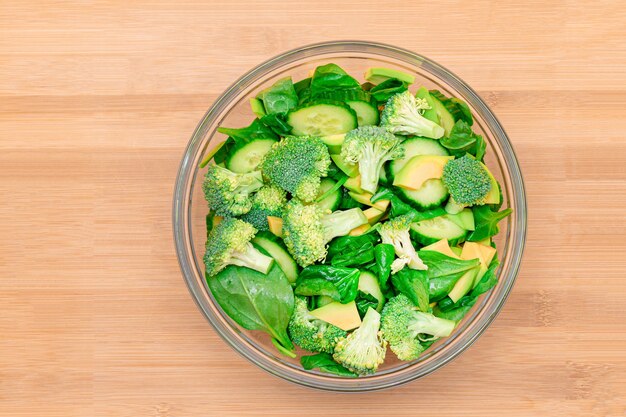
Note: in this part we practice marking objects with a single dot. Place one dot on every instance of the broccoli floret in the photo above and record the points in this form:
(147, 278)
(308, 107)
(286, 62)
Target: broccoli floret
(371, 147)
(363, 349)
(311, 333)
(467, 181)
(308, 228)
(268, 201)
(403, 115)
(396, 232)
(228, 193)
(404, 327)
(296, 165)
(229, 244)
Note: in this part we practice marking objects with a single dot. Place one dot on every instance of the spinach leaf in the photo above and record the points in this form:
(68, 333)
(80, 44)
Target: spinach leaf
(463, 140)
(352, 250)
(486, 222)
(413, 284)
(330, 78)
(347, 202)
(280, 97)
(457, 107)
(223, 152)
(399, 207)
(448, 309)
(302, 85)
(278, 123)
(345, 280)
(443, 272)
(365, 301)
(388, 88)
(384, 254)
(318, 286)
(325, 363)
(256, 130)
(254, 300)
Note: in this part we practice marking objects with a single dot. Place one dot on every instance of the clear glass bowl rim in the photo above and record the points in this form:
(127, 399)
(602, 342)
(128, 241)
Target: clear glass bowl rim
(181, 214)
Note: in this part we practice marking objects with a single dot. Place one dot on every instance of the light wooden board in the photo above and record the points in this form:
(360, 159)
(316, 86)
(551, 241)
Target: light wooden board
(98, 100)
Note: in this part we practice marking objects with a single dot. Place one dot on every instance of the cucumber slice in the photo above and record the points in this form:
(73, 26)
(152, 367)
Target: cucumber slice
(322, 119)
(366, 113)
(414, 147)
(322, 300)
(332, 201)
(247, 157)
(368, 283)
(334, 142)
(464, 219)
(430, 195)
(430, 231)
(277, 250)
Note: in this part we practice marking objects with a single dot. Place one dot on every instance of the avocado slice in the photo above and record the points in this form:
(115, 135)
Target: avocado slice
(430, 114)
(348, 168)
(419, 169)
(358, 231)
(373, 215)
(446, 120)
(334, 142)
(365, 198)
(493, 196)
(344, 316)
(473, 250)
(442, 246)
(463, 285)
(276, 225)
(257, 107)
(354, 184)
(378, 74)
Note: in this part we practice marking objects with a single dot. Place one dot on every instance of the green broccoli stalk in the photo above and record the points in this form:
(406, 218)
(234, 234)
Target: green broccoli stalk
(229, 244)
(371, 147)
(467, 181)
(296, 165)
(396, 232)
(268, 201)
(403, 115)
(405, 328)
(308, 228)
(311, 333)
(228, 193)
(363, 350)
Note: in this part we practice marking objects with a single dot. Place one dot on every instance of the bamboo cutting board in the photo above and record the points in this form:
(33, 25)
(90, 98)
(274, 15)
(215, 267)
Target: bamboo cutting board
(98, 100)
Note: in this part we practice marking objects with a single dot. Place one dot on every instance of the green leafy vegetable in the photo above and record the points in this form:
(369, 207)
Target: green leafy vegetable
(280, 97)
(325, 363)
(352, 250)
(413, 284)
(388, 88)
(329, 78)
(463, 140)
(256, 130)
(365, 301)
(254, 300)
(486, 222)
(345, 280)
(384, 254)
(278, 123)
(443, 272)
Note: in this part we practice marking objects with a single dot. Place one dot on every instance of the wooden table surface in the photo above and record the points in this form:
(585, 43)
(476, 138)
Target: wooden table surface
(98, 100)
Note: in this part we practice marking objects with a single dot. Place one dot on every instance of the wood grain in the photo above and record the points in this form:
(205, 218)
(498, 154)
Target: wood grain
(98, 100)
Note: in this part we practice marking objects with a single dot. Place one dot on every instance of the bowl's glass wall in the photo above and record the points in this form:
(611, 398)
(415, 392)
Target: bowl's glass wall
(232, 110)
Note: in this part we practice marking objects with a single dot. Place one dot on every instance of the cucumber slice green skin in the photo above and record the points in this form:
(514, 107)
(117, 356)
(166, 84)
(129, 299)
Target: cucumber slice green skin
(433, 230)
(366, 113)
(332, 201)
(432, 194)
(322, 119)
(277, 250)
(368, 283)
(247, 156)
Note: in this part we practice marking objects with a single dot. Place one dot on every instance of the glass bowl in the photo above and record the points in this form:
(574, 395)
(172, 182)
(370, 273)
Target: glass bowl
(232, 109)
